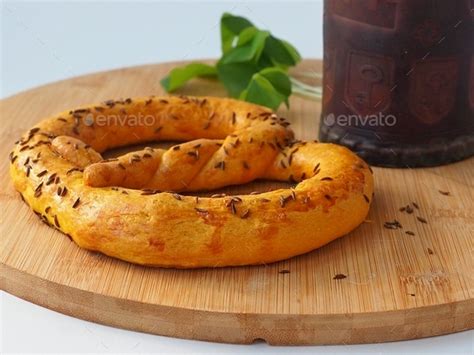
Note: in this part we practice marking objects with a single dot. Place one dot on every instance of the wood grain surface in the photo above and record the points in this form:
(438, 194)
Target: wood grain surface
(374, 285)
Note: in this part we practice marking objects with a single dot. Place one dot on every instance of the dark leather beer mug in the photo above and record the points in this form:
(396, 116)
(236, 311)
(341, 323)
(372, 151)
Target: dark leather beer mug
(399, 80)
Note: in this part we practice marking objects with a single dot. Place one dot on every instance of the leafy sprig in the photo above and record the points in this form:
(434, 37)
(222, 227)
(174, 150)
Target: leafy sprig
(253, 66)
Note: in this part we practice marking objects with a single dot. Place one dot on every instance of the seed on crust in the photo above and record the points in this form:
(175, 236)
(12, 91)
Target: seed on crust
(218, 195)
(245, 214)
(70, 171)
(193, 153)
(177, 196)
(42, 173)
(38, 190)
(76, 203)
(56, 221)
(232, 207)
(146, 192)
(284, 200)
(51, 179)
(220, 165)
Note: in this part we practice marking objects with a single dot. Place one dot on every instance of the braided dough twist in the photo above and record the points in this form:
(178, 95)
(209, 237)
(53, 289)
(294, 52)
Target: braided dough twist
(117, 206)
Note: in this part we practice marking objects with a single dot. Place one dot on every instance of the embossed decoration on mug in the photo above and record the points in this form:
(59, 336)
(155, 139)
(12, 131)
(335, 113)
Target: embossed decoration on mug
(410, 61)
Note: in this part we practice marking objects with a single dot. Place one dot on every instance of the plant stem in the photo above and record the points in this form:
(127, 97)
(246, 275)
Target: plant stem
(311, 74)
(306, 91)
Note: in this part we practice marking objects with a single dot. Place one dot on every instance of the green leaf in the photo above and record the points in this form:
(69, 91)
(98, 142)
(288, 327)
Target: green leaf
(246, 36)
(250, 51)
(231, 26)
(181, 75)
(281, 52)
(253, 65)
(279, 79)
(235, 76)
(270, 87)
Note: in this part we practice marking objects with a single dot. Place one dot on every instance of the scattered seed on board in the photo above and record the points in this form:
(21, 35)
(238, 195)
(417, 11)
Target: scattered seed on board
(422, 220)
(392, 225)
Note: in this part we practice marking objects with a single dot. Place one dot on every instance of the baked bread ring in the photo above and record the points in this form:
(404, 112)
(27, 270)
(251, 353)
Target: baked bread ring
(129, 207)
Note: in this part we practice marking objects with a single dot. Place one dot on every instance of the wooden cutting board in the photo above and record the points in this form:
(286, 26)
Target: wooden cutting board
(391, 285)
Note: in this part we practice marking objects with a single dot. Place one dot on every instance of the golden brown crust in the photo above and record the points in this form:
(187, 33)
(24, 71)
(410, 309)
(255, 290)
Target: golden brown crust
(101, 210)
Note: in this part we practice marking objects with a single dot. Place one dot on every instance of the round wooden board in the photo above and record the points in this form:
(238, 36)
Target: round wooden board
(398, 286)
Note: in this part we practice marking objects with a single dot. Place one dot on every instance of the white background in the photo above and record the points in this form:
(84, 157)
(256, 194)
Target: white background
(43, 42)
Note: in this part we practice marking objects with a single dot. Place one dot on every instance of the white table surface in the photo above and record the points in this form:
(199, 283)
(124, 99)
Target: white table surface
(43, 42)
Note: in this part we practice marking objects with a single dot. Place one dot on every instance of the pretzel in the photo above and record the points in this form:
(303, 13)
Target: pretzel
(135, 207)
